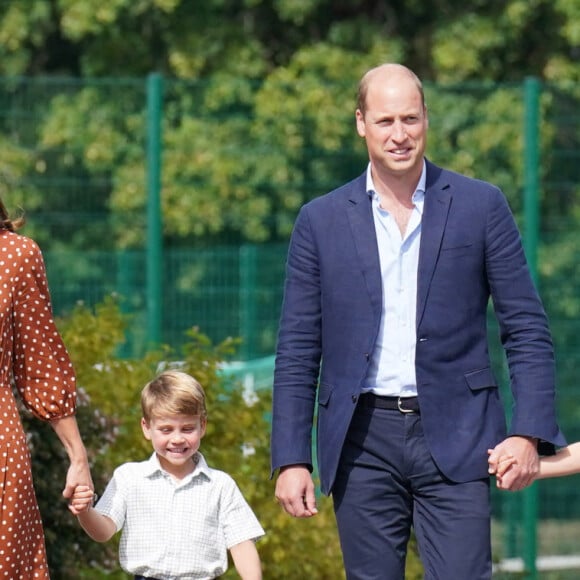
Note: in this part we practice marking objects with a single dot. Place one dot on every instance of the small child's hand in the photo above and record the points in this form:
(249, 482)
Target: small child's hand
(81, 500)
(498, 466)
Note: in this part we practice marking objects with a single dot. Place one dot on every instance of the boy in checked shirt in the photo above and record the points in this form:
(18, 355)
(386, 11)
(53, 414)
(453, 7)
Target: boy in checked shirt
(178, 516)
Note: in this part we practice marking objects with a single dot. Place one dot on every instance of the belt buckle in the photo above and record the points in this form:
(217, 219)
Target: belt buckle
(401, 410)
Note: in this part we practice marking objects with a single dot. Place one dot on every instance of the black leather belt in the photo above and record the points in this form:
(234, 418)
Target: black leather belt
(138, 577)
(401, 404)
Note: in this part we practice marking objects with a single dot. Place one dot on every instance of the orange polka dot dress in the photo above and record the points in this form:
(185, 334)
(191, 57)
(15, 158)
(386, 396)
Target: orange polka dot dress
(33, 354)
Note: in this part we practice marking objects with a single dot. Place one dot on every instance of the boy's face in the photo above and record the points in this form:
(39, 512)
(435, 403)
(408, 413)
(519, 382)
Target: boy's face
(175, 439)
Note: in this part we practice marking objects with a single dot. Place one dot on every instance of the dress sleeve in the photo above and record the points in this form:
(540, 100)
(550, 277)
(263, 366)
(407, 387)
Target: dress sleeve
(43, 373)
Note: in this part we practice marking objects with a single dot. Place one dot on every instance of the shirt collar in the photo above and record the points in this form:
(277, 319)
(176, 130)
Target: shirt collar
(419, 190)
(152, 467)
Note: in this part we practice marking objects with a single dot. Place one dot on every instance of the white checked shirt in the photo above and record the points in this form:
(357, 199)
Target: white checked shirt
(177, 530)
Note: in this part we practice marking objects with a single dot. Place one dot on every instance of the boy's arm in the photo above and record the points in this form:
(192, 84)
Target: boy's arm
(246, 560)
(565, 462)
(99, 527)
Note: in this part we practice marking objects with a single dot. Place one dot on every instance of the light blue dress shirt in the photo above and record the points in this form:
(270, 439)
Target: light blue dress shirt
(392, 368)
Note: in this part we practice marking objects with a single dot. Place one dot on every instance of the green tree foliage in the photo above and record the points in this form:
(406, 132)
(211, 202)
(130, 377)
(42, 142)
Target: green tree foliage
(259, 102)
(496, 40)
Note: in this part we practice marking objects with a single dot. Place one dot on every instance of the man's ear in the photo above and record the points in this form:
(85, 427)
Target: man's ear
(360, 123)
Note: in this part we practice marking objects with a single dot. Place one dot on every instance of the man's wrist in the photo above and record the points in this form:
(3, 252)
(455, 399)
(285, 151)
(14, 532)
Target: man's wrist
(293, 466)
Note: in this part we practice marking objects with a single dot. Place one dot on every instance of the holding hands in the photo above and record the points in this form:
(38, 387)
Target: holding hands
(514, 462)
(499, 465)
(81, 500)
(566, 461)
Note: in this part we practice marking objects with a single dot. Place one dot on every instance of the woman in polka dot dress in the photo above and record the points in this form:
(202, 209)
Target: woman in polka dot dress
(34, 359)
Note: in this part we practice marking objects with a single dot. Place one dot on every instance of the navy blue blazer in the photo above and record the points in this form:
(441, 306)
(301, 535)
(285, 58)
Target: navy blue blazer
(470, 251)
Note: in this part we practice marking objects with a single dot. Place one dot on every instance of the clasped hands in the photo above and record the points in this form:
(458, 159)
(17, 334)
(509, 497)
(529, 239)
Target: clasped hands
(514, 462)
(82, 499)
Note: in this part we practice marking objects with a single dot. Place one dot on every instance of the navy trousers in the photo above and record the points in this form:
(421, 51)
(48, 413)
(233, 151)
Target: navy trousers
(387, 483)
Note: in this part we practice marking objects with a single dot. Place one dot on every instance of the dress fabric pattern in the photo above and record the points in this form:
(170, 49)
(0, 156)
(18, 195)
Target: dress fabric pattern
(34, 360)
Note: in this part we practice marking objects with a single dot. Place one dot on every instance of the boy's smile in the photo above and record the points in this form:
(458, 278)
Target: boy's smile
(176, 440)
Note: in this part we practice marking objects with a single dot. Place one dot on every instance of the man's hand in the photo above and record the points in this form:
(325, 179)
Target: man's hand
(524, 462)
(295, 491)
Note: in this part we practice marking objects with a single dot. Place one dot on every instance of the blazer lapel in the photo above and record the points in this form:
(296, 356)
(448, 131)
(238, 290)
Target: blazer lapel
(434, 220)
(360, 217)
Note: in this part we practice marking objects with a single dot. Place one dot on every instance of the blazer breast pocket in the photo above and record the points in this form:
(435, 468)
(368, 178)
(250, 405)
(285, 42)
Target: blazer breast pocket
(456, 245)
(456, 248)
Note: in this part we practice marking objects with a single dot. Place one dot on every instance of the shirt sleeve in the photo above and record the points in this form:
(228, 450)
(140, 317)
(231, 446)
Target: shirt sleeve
(43, 372)
(238, 521)
(113, 501)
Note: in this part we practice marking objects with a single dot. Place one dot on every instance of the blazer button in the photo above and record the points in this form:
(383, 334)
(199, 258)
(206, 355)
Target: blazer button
(354, 398)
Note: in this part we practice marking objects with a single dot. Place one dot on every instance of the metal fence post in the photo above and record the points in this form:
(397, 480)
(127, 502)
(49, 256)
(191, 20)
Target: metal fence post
(532, 90)
(154, 218)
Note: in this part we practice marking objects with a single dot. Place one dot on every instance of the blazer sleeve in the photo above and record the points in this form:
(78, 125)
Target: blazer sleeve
(298, 352)
(524, 328)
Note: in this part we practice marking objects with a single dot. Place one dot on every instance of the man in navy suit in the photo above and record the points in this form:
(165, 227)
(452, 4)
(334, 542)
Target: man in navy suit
(383, 336)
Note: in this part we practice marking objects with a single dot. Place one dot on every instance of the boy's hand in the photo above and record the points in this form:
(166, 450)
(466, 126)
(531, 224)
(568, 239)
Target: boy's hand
(81, 500)
(499, 464)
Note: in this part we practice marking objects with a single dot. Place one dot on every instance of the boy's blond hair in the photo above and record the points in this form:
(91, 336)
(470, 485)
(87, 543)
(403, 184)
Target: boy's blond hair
(173, 393)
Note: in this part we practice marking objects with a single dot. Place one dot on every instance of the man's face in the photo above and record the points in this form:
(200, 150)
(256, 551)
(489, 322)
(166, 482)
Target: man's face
(394, 125)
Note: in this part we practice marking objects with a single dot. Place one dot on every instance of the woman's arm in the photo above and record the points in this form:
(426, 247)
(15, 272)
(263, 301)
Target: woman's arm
(79, 472)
